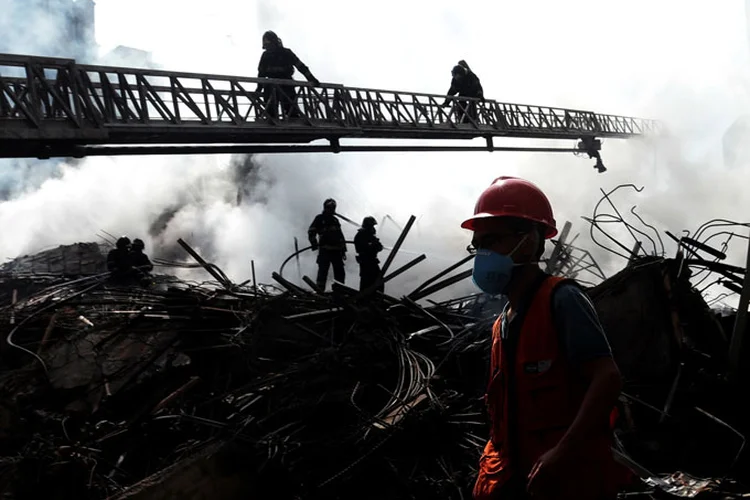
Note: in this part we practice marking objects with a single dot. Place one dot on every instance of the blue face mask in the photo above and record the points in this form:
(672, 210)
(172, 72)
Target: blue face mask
(493, 271)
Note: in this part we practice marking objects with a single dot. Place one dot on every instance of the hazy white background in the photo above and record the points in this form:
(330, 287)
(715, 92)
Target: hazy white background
(683, 62)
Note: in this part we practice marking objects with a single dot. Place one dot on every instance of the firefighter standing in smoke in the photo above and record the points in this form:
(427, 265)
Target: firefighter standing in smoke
(465, 83)
(367, 246)
(279, 62)
(325, 236)
(553, 383)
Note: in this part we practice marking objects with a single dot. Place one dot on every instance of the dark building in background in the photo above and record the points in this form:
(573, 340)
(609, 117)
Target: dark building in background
(52, 28)
(60, 28)
(735, 143)
(129, 57)
(80, 22)
(55, 28)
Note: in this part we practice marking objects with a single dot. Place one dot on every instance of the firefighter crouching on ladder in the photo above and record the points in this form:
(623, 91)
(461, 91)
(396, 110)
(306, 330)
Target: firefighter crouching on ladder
(465, 83)
(553, 382)
(279, 62)
(367, 246)
(325, 236)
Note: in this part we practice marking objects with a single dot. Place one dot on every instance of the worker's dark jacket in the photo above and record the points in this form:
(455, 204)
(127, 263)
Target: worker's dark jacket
(468, 86)
(279, 62)
(367, 246)
(325, 232)
(119, 262)
(141, 262)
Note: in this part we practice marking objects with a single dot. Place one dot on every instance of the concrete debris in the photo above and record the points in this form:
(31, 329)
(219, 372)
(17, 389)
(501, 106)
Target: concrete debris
(280, 391)
(79, 259)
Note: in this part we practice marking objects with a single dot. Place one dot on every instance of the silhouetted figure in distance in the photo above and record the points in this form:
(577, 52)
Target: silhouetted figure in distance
(367, 246)
(140, 261)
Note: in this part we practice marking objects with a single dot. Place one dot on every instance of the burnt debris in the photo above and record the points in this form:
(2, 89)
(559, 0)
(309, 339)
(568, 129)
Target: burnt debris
(281, 391)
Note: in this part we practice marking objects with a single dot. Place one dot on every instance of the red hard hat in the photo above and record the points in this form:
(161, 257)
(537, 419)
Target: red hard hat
(514, 197)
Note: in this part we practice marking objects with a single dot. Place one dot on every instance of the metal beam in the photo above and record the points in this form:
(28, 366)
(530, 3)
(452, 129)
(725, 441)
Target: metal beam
(83, 151)
(554, 263)
(49, 104)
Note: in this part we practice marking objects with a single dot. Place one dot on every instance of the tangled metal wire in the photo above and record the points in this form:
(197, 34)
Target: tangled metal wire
(711, 271)
(699, 250)
(639, 235)
(293, 376)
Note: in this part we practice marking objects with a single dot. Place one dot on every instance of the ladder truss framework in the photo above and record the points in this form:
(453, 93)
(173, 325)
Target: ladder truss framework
(55, 107)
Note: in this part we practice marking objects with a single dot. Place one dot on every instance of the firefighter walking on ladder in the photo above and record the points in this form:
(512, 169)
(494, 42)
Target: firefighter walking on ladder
(279, 62)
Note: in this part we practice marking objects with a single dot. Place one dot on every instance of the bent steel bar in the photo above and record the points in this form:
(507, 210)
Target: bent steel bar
(55, 104)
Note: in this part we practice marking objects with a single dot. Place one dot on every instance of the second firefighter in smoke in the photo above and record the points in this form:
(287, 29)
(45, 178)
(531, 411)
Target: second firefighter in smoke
(326, 237)
(367, 246)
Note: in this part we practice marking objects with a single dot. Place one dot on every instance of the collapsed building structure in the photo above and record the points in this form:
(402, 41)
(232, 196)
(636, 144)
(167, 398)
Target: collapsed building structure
(278, 391)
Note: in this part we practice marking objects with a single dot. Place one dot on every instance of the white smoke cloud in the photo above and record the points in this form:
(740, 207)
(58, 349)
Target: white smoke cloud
(682, 62)
(54, 28)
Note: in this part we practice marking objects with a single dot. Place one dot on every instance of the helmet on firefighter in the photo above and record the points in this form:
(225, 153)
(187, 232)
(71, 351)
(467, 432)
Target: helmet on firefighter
(458, 71)
(330, 203)
(138, 244)
(123, 242)
(514, 197)
(272, 38)
(369, 221)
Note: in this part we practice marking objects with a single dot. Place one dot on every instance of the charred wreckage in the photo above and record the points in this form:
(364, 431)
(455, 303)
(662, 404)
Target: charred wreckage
(257, 390)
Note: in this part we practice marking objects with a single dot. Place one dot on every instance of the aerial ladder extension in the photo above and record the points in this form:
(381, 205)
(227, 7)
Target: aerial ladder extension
(56, 108)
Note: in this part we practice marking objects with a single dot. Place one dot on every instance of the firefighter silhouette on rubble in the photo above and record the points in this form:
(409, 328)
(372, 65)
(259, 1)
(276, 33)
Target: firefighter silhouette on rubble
(142, 265)
(466, 84)
(326, 237)
(279, 62)
(367, 246)
(128, 264)
(119, 262)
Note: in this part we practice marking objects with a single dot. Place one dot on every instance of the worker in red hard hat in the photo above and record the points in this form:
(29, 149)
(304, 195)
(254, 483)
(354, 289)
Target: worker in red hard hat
(553, 381)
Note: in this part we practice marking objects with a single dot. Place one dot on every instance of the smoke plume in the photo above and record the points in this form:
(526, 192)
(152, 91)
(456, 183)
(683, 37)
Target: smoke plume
(682, 63)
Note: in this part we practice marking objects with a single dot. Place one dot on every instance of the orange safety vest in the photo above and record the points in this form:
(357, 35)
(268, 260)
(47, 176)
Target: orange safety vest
(548, 397)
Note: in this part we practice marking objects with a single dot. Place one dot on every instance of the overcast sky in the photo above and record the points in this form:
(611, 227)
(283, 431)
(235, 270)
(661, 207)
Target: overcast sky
(684, 62)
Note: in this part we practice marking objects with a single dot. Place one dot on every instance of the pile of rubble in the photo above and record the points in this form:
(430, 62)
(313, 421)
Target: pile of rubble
(272, 391)
(277, 391)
